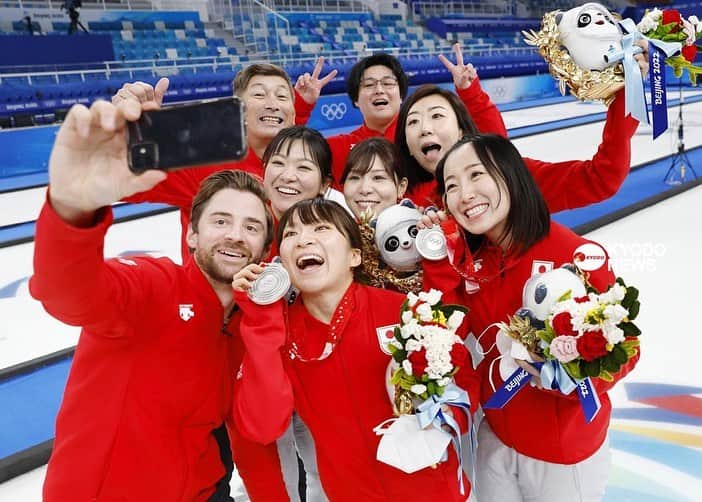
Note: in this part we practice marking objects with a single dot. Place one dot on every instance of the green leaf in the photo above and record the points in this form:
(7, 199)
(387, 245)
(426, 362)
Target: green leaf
(620, 281)
(399, 355)
(631, 295)
(392, 348)
(610, 363)
(619, 354)
(630, 329)
(547, 334)
(431, 388)
(565, 296)
(592, 368)
(573, 369)
(634, 310)
(630, 347)
(440, 390)
(606, 376)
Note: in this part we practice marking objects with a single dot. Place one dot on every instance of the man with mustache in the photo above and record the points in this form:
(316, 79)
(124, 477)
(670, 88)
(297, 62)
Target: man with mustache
(154, 369)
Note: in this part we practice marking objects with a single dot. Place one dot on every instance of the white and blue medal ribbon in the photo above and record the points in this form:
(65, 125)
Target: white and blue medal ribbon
(633, 82)
(430, 413)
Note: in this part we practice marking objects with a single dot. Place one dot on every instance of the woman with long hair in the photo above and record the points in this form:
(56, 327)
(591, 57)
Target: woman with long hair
(538, 446)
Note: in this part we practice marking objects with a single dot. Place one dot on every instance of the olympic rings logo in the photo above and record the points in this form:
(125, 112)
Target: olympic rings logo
(334, 111)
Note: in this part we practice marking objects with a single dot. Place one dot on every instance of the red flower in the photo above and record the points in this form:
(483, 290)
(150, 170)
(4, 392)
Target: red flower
(581, 299)
(689, 52)
(418, 358)
(563, 325)
(459, 354)
(592, 345)
(672, 16)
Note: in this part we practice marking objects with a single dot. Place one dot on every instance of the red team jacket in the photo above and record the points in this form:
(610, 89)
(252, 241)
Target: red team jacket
(572, 183)
(152, 374)
(545, 425)
(343, 397)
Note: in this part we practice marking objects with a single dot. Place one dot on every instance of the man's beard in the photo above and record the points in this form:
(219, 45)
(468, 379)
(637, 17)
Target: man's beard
(206, 260)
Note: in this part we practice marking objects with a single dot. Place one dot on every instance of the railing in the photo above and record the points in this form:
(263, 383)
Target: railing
(319, 6)
(440, 8)
(88, 4)
(209, 64)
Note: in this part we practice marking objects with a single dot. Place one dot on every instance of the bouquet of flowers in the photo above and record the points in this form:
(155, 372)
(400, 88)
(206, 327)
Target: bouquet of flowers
(426, 349)
(669, 26)
(570, 333)
(593, 335)
(426, 354)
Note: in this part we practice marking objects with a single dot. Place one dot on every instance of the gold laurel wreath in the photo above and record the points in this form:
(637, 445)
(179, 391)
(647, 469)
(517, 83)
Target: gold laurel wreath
(591, 85)
(376, 273)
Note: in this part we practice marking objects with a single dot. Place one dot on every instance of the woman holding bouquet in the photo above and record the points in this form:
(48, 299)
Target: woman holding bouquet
(538, 446)
(336, 361)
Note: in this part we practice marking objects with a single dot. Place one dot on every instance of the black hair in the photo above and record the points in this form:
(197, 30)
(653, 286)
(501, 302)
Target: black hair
(314, 143)
(353, 79)
(416, 174)
(361, 157)
(528, 219)
(319, 210)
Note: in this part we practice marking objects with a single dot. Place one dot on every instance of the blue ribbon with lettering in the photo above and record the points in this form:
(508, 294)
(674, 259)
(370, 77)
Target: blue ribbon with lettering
(553, 376)
(514, 383)
(430, 413)
(633, 82)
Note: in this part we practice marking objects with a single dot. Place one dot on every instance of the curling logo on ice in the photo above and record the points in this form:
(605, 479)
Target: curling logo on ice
(334, 111)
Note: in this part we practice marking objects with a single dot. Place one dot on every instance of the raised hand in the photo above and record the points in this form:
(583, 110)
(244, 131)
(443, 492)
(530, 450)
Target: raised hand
(310, 86)
(431, 218)
(245, 277)
(463, 74)
(642, 59)
(88, 164)
(148, 96)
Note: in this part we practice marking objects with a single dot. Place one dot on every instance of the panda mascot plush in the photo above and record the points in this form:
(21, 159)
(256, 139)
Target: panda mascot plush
(540, 294)
(395, 234)
(589, 33)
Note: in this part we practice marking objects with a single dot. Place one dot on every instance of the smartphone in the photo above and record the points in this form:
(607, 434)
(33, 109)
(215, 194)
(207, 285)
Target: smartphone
(191, 134)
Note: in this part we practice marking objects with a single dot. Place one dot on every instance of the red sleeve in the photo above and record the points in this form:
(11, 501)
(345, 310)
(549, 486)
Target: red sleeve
(178, 189)
(578, 183)
(442, 276)
(303, 110)
(73, 282)
(263, 397)
(340, 147)
(485, 115)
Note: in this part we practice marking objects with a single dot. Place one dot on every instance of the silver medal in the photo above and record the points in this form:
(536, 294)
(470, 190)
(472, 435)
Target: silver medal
(431, 243)
(271, 285)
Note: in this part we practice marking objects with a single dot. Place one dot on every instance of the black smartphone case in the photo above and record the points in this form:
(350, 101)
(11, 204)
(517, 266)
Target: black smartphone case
(187, 135)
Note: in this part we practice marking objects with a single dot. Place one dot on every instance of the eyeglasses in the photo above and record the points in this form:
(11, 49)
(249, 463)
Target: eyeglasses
(370, 84)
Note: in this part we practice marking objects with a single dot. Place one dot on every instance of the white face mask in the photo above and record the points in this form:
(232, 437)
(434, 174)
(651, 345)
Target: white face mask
(407, 447)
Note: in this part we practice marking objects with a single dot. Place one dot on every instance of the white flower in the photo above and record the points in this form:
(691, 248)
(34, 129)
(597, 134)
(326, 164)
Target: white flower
(689, 30)
(615, 313)
(412, 345)
(443, 382)
(611, 333)
(455, 320)
(424, 312)
(410, 329)
(407, 316)
(418, 388)
(407, 366)
(432, 297)
(615, 294)
(650, 21)
(694, 20)
(412, 299)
